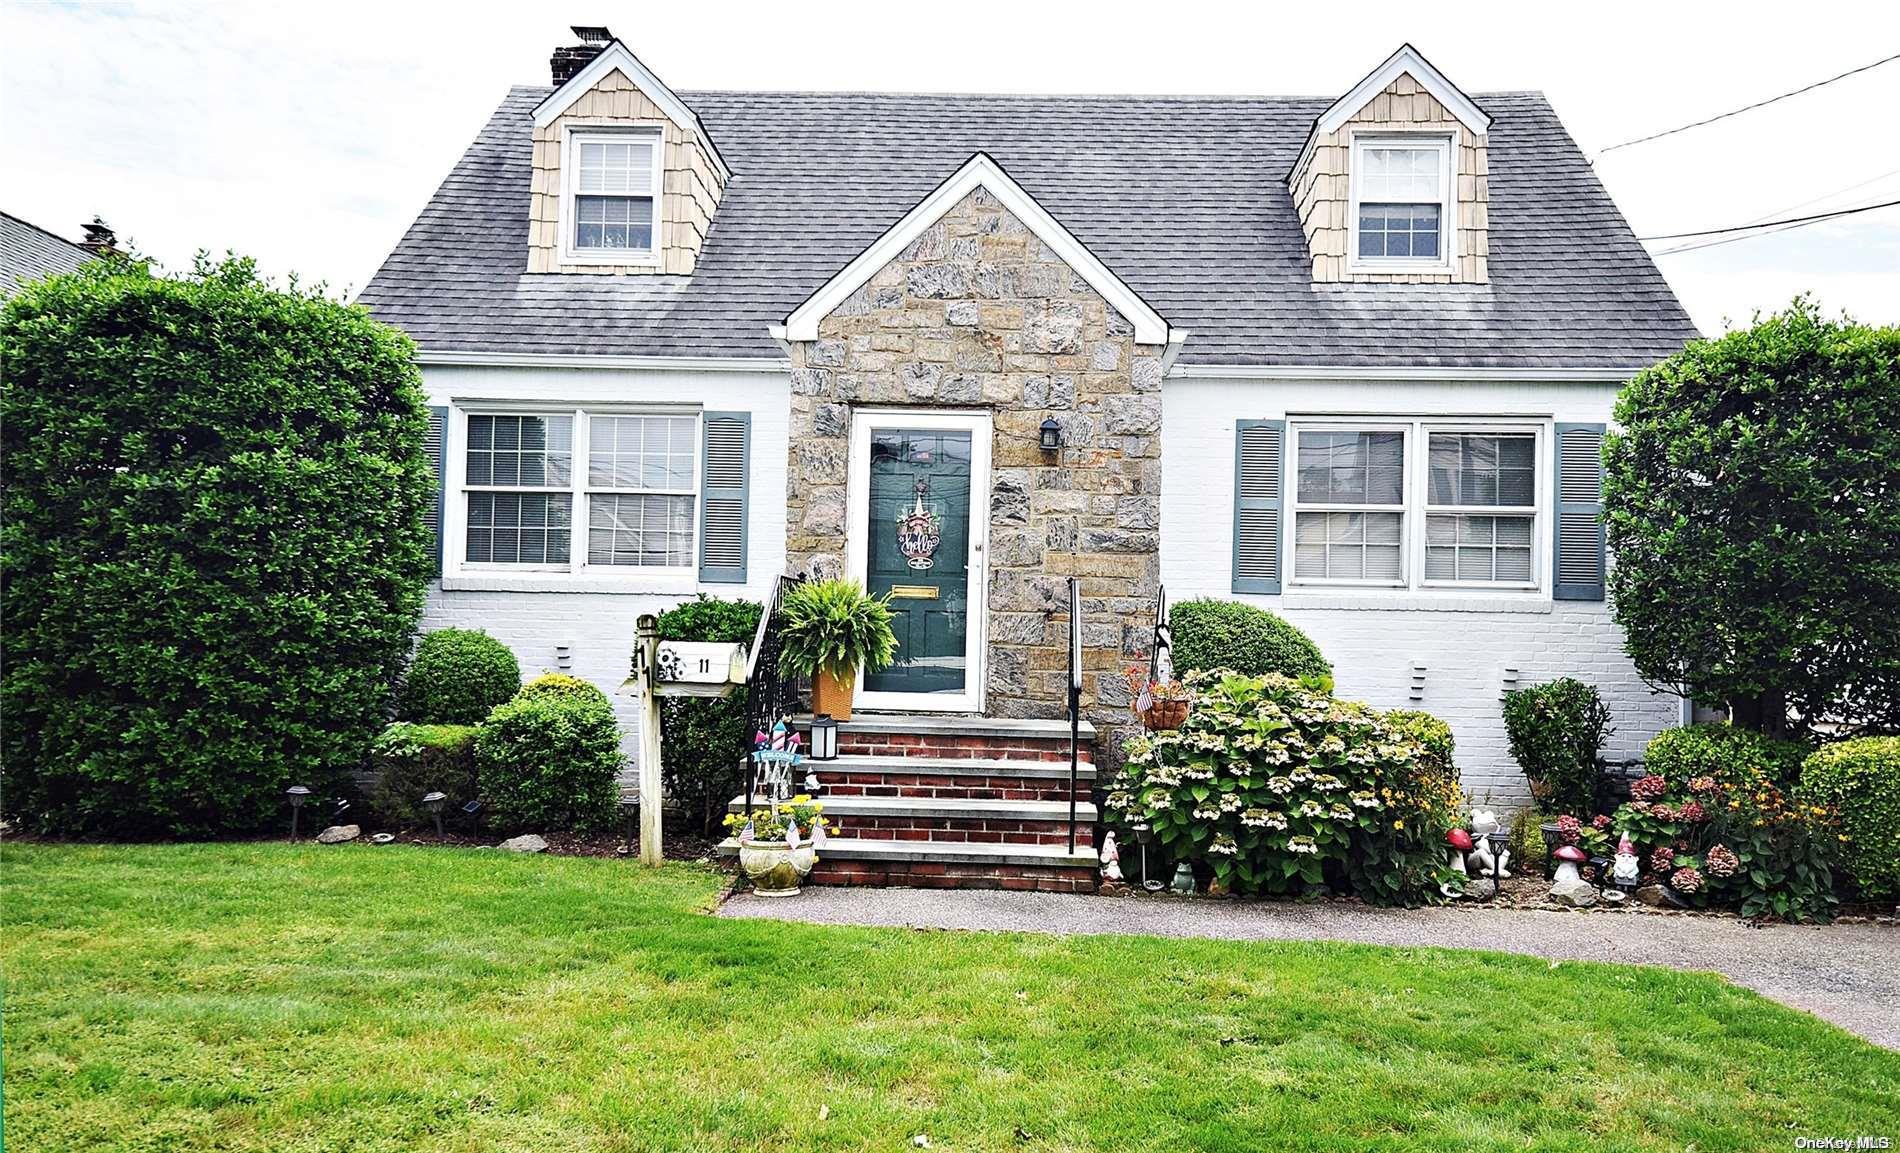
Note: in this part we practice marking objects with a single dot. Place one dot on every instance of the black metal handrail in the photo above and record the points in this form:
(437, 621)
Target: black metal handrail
(1075, 693)
(1163, 640)
(768, 695)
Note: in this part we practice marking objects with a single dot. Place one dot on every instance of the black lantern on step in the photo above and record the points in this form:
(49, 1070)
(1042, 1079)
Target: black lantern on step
(824, 738)
(434, 802)
(297, 795)
(1051, 434)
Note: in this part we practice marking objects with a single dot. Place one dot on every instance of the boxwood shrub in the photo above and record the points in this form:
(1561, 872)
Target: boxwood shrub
(457, 676)
(1220, 634)
(1274, 786)
(705, 736)
(553, 685)
(212, 497)
(411, 760)
(1556, 732)
(1860, 780)
(546, 762)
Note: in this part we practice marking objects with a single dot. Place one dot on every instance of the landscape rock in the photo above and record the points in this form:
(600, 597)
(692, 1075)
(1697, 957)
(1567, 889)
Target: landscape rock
(337, 834)
(1481, 888)
(1651, 895)
(526, 843)
(1577, 894)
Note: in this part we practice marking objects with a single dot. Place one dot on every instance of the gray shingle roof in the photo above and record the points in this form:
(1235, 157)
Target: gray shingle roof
(1183, 198)
(28, 252)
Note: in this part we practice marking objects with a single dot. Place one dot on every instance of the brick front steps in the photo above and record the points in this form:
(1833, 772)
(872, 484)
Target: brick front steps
(954, 802)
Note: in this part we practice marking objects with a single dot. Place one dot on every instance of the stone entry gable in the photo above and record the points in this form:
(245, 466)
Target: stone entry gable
(978, 313)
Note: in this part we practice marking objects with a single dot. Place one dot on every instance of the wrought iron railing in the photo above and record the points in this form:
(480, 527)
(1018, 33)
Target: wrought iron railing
(1075, 694)
(1161, 645)
(769, 697)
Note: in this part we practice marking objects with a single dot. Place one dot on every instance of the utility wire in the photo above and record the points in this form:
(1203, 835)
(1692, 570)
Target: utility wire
(1769, 229)
(1772, 223)
(1750, 107)
(1825, 196)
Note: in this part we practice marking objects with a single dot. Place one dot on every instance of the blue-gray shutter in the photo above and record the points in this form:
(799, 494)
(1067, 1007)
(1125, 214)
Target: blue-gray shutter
(1578, 532)
(726, 475)
(1259, 453)
(435, 446)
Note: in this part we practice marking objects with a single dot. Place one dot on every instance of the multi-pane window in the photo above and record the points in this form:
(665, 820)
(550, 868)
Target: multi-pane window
(1416, 503)
(632, 480)
(1480, 507)
(640, 495)
(613, 194)
(1400, 200)
(519, 478)
(1350, 499)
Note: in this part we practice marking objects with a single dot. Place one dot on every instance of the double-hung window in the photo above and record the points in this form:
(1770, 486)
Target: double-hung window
(1417, 504)
(610, 212)
(1401, 192)
(628, 481)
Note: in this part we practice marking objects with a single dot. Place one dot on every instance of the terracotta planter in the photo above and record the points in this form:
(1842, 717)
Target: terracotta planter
(832, 695)
(1164, 715)
(775, 868)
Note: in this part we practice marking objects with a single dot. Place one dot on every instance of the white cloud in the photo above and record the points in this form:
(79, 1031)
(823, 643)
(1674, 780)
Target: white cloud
(310, 135)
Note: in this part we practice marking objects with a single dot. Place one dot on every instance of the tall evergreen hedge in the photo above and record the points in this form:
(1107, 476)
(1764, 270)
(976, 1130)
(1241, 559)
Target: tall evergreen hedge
(214, 546)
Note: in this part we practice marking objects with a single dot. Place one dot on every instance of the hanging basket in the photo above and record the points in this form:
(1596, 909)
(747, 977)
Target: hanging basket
(1164, 715)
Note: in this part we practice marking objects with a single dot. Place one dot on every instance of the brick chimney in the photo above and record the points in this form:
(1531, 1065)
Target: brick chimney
(100, 239)
(567, 61)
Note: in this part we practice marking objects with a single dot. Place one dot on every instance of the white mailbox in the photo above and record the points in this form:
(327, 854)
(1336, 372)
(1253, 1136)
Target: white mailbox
(700, 668)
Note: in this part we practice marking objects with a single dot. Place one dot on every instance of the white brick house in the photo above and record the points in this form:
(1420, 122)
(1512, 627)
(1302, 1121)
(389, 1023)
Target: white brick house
(1348, 360)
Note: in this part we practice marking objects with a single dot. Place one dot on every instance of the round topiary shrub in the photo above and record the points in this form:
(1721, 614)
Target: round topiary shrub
(458, 676)
(411, 761)
(1556, 732)
(1860, 780)
(1218, 634)
(549, 686)
(212, 498)
(547, 762)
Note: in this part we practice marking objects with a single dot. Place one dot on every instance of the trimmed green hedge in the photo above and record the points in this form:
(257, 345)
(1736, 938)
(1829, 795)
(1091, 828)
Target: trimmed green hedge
(212, 498)
(1218, 634)
(546, 762)
(458, 676)
(549, 686)
(411, 760)
(1731, 755)
(705, 736)
(1860, 779)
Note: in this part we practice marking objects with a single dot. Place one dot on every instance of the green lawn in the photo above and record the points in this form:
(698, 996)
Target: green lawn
(276, 998)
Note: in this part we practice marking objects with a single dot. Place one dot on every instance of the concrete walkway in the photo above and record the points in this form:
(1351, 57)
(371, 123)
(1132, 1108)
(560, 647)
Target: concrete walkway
(1848, 974)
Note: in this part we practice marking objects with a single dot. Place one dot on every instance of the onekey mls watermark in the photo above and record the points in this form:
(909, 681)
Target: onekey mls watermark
(1862, 1142)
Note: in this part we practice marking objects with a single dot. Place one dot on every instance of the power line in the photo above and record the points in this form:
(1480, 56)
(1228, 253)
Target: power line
(1825, 196)
(1750, 107)
(1772, 223)
(1769, 229)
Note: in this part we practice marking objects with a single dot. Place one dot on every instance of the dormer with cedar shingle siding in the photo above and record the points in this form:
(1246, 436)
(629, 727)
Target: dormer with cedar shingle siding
(626, 179)
(1393, 185)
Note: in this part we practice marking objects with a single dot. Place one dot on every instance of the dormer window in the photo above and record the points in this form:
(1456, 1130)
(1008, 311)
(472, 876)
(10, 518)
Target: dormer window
(609, 211)
(1401, 203)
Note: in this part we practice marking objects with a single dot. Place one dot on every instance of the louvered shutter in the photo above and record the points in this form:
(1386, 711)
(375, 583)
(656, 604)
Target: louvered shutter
(435, 446)
(726, 475)
(1259, 449)
(1579, 553)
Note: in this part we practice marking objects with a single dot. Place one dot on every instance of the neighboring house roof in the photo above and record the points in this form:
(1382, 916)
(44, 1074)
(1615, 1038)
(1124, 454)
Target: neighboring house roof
(1184, 199)
(28, 252)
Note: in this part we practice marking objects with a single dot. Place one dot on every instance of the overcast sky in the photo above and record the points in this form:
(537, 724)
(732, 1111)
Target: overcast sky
(309, 136)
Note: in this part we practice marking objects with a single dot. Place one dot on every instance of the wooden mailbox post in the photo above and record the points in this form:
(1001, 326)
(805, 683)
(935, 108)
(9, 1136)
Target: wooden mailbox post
(672, 669)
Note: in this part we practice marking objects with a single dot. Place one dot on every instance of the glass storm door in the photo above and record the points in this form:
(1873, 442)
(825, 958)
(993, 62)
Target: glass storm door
(915, 539)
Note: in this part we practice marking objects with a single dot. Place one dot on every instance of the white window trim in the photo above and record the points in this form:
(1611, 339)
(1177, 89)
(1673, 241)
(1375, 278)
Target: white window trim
(573, 136)
(576, 575)
(1418, 430)
(1447, 145)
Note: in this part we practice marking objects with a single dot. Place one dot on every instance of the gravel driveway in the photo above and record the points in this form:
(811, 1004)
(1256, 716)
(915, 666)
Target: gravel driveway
(1848, 973)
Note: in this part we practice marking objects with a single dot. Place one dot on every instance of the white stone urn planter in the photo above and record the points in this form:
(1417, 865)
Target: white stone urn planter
(775, 868)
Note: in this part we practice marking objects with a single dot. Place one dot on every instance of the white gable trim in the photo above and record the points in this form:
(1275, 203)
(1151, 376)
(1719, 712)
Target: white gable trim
(1406, 59)
(980, 171)
(618, 56)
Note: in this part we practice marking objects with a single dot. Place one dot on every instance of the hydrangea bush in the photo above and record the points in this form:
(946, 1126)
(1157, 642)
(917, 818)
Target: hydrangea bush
(1274, 786)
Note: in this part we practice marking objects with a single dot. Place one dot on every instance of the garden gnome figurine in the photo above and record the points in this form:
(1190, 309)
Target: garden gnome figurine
(1111, 859)
(1627, 869)
(1483, 862)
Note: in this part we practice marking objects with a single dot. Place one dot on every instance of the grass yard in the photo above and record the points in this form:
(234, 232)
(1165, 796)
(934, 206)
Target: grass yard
(268, 997)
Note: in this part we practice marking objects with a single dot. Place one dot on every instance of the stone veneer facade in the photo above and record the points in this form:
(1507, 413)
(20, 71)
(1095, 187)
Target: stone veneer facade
(978, 314)
(1322, 189)
(692, 184)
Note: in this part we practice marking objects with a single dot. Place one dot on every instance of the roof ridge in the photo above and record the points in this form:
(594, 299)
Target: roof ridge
(917, 94)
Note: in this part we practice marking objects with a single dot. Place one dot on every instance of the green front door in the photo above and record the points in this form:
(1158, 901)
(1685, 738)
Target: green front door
(919, 554)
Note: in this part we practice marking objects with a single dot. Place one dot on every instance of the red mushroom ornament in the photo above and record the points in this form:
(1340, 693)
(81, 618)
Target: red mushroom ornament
(1568, 858)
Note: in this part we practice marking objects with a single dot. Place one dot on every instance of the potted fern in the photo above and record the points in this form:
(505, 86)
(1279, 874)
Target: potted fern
(831, 629)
